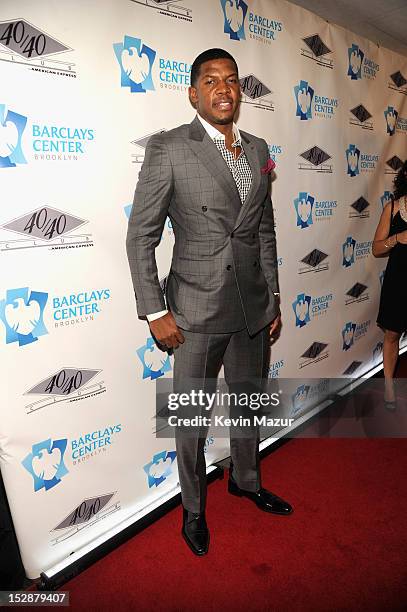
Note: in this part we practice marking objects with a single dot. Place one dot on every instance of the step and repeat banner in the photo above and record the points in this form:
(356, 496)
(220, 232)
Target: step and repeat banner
(84, 84)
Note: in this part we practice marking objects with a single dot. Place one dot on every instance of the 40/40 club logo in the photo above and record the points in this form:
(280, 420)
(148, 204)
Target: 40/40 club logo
(34, 48)
(359, 65)
(353, 250)
(136, 60)
(66, 385)
(168, 8)
(360, 117)
(84, 515)
(22, 314)
(12, 126)
(306, 307)
(315, 159)
(46, 225)
(309, 208)
(358, 162)
(309, 103)
(315, 49)
(398, 82)
(256, 93)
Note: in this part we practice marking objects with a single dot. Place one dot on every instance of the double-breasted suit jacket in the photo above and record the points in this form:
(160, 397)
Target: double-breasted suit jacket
(223, 273)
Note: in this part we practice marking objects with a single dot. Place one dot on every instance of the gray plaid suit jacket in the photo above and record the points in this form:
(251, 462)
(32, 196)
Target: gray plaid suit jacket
(224, 266)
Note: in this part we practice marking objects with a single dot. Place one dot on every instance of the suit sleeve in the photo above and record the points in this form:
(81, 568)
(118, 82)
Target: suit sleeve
(268, 246)
(150, 207)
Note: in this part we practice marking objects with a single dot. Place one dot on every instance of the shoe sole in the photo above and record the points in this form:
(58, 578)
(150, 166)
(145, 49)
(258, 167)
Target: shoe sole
(198, 554)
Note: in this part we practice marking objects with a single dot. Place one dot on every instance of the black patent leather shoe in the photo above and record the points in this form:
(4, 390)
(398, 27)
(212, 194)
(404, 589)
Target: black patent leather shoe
(195, 532)
(265, 500)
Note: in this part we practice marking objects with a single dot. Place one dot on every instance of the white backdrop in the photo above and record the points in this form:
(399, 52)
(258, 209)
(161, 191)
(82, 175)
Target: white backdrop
(78, 103)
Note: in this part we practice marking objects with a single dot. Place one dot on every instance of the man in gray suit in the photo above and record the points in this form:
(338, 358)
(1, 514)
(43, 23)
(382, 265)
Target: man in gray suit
(222, 291)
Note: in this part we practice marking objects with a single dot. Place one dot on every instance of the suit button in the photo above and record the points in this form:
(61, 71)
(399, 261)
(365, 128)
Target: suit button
(232, 235)
(204, 208)
(228, 267)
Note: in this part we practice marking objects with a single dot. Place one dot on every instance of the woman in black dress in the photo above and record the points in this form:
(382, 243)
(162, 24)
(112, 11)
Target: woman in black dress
(391, 240)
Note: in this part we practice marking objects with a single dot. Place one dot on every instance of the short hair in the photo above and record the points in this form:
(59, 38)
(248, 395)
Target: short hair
(206, 56)
(400, 182)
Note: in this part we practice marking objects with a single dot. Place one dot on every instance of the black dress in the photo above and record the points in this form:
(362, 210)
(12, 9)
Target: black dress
(393, 299)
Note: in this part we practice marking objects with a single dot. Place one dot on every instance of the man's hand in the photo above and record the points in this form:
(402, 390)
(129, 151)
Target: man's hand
(166, 331)
(275, 328)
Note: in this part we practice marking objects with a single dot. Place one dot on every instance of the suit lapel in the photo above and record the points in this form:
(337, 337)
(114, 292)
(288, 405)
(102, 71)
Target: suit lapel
(254, 163)
(207, 152)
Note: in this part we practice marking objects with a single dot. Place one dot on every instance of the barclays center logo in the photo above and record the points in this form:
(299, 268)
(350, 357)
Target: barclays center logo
(352, 332)
(360, 66)
(358, 162)
(12, 126)
(275, 368)
(307, 207)
(47, 142)
(348, 334)
(155, 362)
(353, 250)
(348, 252)
(303, 207)
(394, 123)
(234, 15)
(22, 314)
(45, 463)
(306, 307)
(304, 94)
(301, 308)
(386, 198)
(136, 62)
(308, 103)
(159, 468)
(352, 158)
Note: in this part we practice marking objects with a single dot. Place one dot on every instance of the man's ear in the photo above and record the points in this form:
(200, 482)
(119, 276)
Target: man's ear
(193, 98)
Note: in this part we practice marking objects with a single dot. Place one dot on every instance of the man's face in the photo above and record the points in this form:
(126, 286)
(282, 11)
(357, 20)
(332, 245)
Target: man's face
(216, 94)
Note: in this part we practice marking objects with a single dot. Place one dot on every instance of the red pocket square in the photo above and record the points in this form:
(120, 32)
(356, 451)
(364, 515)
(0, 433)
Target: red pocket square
(270, 165)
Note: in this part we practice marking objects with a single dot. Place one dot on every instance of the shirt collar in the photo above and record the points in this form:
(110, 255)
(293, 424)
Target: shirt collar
(213, 133)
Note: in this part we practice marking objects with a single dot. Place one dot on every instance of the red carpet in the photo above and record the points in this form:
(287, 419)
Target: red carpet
(344, 548)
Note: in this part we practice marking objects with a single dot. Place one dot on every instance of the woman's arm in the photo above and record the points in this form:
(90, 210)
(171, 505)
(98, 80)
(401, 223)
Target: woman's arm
(382, 243)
